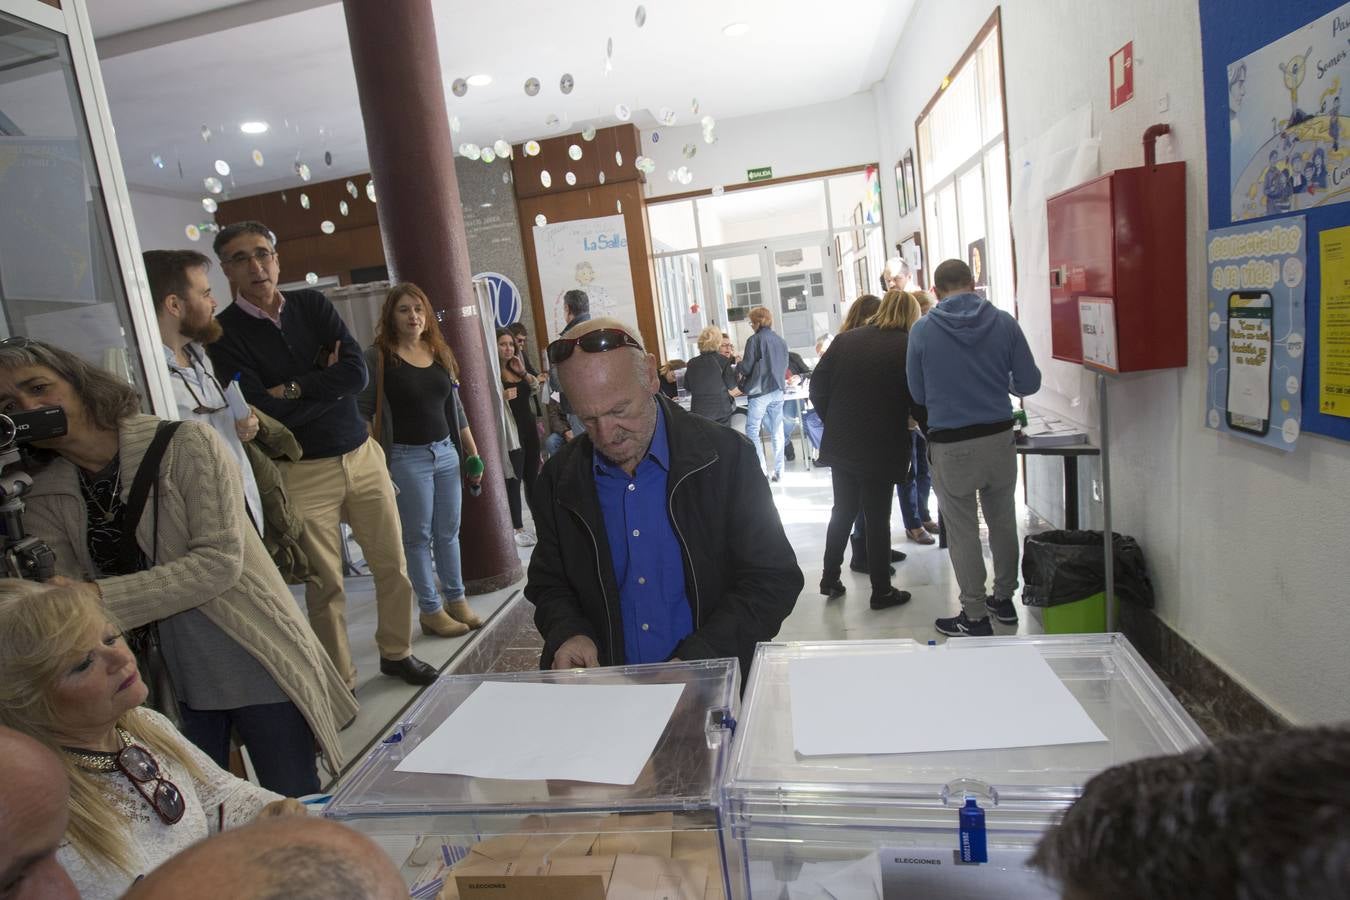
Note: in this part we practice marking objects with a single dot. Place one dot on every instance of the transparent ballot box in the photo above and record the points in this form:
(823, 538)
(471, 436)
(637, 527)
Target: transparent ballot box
(886, 825)
(454, 835)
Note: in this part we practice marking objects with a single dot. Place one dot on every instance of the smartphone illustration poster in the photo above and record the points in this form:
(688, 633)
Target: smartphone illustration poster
(1334, 335)
(1257, 330)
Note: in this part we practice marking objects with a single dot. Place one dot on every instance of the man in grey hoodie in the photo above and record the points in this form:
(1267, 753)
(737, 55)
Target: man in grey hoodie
(964, 358)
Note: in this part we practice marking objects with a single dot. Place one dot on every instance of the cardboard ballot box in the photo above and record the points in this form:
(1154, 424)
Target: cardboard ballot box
(885, 825)
(513, 838)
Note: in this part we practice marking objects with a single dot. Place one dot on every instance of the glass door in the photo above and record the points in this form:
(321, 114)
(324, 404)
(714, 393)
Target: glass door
(807, 303)
(70, 272)
(735, 284)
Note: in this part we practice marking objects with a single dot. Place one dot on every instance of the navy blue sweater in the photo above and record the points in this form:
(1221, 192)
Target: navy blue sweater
(325, 420)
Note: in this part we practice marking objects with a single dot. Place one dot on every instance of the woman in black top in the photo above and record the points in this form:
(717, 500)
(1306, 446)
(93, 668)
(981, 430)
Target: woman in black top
(710, 379)
(861, 392)
(412, 403)
(517, 389)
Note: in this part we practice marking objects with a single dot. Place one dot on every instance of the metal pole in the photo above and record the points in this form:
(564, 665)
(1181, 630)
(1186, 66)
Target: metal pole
(1109, 548)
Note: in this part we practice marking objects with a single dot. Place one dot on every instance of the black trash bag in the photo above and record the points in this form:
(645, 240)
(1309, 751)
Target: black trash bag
(1066, 566)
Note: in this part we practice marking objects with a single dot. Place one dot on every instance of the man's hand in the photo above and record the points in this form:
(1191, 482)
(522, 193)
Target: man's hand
(278, 391)
(247, 429)
(333, 357)
(277, 808)
(577, 652)
(567, 435)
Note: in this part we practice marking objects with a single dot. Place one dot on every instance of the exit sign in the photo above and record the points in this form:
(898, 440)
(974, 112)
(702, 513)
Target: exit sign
(763, 173)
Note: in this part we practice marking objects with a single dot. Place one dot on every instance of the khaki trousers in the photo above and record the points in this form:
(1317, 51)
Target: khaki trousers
(354, 487)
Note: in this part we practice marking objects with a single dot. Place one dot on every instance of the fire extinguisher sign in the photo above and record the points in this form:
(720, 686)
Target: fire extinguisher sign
(1122, 75)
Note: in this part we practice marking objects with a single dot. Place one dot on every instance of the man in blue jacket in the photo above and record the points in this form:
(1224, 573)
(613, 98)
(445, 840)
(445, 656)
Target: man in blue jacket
(964, 358)
(764, 370)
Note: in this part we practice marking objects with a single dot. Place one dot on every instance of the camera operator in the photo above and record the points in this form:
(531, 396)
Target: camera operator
(237, 650)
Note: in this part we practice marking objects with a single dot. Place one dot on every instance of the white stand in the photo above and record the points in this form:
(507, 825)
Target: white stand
(1109, 544)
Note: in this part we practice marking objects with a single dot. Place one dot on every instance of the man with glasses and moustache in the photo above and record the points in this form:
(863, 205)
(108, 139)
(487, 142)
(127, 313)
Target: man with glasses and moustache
(658, 536)
(298, 363)
(187, 325)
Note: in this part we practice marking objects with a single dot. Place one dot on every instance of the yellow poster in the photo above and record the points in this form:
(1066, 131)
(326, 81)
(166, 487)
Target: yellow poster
(1334, 364)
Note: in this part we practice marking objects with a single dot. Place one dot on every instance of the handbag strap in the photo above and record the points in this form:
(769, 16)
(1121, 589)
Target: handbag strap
(146, 475)
(378, 422)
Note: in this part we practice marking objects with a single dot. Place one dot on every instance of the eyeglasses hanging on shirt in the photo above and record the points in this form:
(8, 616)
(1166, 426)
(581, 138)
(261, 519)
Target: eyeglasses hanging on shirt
(202, 409)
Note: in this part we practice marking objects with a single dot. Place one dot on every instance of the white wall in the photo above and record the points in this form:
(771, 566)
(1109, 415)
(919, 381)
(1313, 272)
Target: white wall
(793, 141)
(160, 223)
(1245, 544)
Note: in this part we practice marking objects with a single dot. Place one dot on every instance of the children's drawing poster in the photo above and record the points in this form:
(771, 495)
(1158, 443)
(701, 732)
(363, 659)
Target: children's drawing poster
(1257, 331)
(589, 255)
(1289, 132)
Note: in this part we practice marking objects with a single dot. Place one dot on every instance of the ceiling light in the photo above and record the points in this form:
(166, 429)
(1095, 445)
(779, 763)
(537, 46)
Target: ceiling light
(736, 29)
(479, 80)
(253, 127)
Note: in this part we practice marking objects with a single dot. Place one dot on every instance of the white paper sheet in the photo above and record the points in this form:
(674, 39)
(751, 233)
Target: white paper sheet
(935, 700)
(601, 733)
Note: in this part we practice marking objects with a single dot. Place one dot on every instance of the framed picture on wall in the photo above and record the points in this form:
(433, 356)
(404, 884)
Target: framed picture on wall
(859, 239)
(911, 250)
(863, 275)
(900, 187)
(911, 184)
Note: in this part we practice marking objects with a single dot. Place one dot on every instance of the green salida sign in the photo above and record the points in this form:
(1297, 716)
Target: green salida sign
(763, 173)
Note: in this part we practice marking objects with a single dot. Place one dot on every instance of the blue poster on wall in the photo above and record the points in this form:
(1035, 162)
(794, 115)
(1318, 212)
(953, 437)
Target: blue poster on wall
(1289, 133)
(1257, 335)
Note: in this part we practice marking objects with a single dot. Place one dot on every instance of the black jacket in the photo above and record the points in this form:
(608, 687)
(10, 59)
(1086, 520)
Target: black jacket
(709, 378)
(860, 391)
(741, 576)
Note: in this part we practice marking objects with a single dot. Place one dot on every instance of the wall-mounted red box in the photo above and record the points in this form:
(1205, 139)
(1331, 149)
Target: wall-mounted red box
(1123, 236)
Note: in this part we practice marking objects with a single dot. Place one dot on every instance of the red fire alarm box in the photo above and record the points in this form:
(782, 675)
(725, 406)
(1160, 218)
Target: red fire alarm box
(1122, 236)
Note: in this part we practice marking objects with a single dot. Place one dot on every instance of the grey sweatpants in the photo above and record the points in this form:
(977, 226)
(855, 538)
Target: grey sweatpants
(982, 470)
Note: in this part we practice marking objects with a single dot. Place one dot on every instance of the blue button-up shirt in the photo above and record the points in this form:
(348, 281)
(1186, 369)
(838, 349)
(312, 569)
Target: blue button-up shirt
(648, 564)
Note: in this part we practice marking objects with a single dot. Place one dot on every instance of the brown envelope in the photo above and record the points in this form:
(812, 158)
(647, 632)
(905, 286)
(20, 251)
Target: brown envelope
(648, 834)
(538, 887)
(656, 878)
(584, 865)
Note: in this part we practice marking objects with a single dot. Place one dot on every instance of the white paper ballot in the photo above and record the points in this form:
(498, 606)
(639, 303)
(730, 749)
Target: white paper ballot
(601, 733)
(235, 399)
(935, 700)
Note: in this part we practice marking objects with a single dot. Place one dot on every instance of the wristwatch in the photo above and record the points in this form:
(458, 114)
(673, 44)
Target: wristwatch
(291, 391)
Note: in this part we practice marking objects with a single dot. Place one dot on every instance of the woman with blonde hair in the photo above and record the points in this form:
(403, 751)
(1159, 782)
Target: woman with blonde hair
(412, 403)
(710, 379)
(861, 392)
(186, 570)
(139, 791)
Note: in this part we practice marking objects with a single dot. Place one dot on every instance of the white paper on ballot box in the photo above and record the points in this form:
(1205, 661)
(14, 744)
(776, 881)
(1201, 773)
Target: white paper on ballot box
(935, 700)
(602, 733)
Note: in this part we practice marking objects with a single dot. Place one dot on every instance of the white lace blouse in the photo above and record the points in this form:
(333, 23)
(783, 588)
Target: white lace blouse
(220, 801)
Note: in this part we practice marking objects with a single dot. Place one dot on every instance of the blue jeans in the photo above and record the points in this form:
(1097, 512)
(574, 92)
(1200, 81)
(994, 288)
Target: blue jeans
(766, 409)
(278, 739)
(429, 498)
(914, 496)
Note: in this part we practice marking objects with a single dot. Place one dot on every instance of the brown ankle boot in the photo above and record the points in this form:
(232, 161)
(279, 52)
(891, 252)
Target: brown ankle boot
(441, 625)
(460, 612)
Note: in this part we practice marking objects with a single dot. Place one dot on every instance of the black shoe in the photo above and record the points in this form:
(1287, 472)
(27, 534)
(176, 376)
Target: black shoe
(897, 556)
(862, 567)
(962, 626)
(788, 453)
(774, 477)
(1002, 610)
(891, 598)
(410, 669)
(832, 590)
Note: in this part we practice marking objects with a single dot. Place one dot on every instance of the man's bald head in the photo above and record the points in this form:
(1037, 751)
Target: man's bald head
(34, 808)
(290, 858)
(612, 393)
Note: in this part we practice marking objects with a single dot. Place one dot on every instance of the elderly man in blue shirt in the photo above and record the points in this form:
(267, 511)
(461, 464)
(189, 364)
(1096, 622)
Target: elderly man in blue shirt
(658, 537)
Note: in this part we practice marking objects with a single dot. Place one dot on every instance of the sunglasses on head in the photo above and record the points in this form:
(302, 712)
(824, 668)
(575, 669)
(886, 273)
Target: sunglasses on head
(598, 341)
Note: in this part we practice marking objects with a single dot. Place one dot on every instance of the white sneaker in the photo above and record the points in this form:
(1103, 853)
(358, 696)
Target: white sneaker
(525, 539)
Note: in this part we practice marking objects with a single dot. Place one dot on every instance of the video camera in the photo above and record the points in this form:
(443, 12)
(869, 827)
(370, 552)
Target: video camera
(25, 557)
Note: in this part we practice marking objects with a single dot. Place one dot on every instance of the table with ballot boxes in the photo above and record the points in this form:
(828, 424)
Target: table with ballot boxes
(829, 778)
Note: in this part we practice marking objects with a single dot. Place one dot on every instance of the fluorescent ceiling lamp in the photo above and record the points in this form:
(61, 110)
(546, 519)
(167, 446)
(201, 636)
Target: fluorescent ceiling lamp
(253, 127)
(479, 80)
(736, 29)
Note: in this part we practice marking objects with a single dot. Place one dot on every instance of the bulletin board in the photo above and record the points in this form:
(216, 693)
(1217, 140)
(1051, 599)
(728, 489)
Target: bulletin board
(1234, 30)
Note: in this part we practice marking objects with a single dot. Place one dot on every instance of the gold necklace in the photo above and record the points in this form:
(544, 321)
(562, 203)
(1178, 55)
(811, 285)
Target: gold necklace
(99, 760)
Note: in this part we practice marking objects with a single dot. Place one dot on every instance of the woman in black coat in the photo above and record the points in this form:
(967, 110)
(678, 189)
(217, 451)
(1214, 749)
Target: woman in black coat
(710, 379)
(861, 393)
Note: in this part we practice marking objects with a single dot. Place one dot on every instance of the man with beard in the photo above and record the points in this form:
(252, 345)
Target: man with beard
(186, 312)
